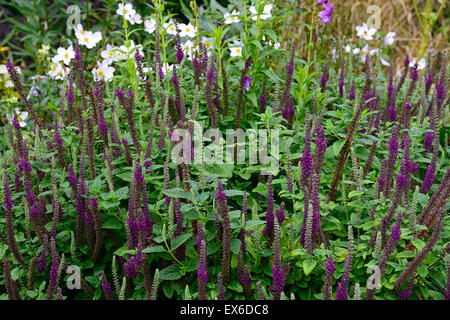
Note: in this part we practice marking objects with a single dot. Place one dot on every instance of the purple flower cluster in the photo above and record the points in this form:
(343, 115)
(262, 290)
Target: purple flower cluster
(325, 15)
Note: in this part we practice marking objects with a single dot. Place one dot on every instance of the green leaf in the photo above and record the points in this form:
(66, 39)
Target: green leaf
(309, 265)
(124, 250)
(108, 204)
(422, 271)
(337, 146)
(355, 193)
(405, 254)
(223, 170)
(178, 241)
(232, 193)
(418, 243)
(356, 204)
(235, 246)
(154, 249)
(172, 272)
(112, 223)
(236, 286)
(261, 188)
(123, 193)
(178, 193)
(252, 223)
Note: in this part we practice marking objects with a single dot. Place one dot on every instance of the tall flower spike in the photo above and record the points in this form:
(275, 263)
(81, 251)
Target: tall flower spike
(210, 79)
(324, 78)
(9, 221)
(202, 272)
(277, 270)
(447, 284)
(14, 76)
(178, 49)
(221, 295)
(289, 77)
(10, 284)
(328, 280)
(342, 290)
(268, 230)
(352, 91)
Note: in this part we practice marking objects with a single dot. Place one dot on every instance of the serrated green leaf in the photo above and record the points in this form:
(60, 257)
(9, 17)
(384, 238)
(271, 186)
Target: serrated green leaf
(172, 272)
(309, 265)
(178, 241)
(154, 249)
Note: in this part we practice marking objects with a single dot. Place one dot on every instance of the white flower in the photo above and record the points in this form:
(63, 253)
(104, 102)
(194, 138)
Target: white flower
(187, 30)
(208, 43)
(3, 69)
(9, 84)
(129, 52)
(33, 92)
(231, 17)
(135, 18)
(150, 25)
(103, 71)
(187, 48)
(365, 32)
(126, 10)
(170, 27)
(374, 51)
(79, 31)
(356, 50)
(384, 62)
(167, 67)
(236, 50)
(333, 54)
(110, 54)
(364, 52)
(389, 39)
(38, 77)
(21, 117)
(347, 48)
(264, 15)
(277, 45)
(65, 55)
(90, 39)
(58, 71)
(144, 70)
(420, 65)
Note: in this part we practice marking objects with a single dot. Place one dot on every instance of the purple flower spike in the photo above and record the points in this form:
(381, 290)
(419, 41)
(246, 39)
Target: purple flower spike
(120, 94)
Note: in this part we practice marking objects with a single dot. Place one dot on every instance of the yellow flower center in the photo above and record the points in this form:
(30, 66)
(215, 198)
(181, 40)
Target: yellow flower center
(53, 68)
(125, 11)
(86, 40)
(66, 55)
(110, 54)
(19, 118)
(238, 50)
(100, 73)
